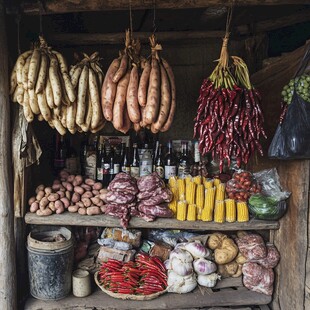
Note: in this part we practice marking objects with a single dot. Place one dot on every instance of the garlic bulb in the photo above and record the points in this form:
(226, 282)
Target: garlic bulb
(182, 269)
(179, 284)
(203, 266)
(208, 280)
(182, 255)
(196, 249)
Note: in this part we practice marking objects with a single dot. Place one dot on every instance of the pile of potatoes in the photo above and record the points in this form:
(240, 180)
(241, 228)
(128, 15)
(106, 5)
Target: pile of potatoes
(71, 193)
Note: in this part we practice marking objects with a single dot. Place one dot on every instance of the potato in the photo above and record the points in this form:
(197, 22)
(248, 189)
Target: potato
(73, 209)
(78, 180)
(56, 186)
(53, 197)
(95, 200)
(56, 182)
(240, 259)
(82, 211)
(34, 206)
(86, 187)
(90, 182)
(65, 202)
(97, 186)
(103, 208)
(76, 197)
(59, 206)
(103, 196)
(226, 253)
(31, 200)
(78, 189)
(40, 195)
(87, 202)
(228, 270)
(87, 194)
(95, 192)
(70, 178)
(93, 211)
(80, 204)
(43, 203)
(48, 190)
(215, 240)
(103, 191)
(69, 187)
(51, 205)
(40, 188)
(68, 195)
(44, 212)
(61, 194)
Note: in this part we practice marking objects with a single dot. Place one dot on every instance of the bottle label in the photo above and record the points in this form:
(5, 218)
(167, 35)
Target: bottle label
(90, 172)
(160, 171)
(196, 154)
(126, 169)
(170, 171)
(99, 174)
(116, 168)
(146, 168)
(183, 171)
(106, 169)
(91, 160)
(135, 172)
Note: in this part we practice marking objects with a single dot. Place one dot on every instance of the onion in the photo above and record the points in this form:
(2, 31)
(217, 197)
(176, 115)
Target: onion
(196, 249)
(203, 266)
(179, 284)
(208, 280)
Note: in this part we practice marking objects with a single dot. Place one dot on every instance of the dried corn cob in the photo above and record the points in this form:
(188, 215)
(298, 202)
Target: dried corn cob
(188, 179)
(220, 192)
(197, 179)
(219, 212)
(173, 206)
(200, 193)
(216, 181)
(181, 188)
(208, 183)
(191, 212)
(190, 192)
(181, 210)
(242, 211)
(207, 211)
(172, 182)
(175, 193)
(230, 207)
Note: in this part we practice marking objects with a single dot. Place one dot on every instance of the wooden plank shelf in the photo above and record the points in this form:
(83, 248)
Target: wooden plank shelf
(75, 219)
(228, 292)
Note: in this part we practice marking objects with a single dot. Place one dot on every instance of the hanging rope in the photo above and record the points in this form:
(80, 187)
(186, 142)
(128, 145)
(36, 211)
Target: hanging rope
(41, 10)
(17, 19)
(130, 20)
(154, 16)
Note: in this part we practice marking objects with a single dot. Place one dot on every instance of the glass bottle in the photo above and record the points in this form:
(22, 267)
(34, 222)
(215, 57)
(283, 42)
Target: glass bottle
(60, 154)
(159, 163)
(106, 167)
(125, 165)
(83, 153)
(184, 162)
(91, 159)
(112, 160)
(146, 163)
(135, 165)
(155, 153)
(195, 166)
(72, 160)
(100, 163)
(170, 163)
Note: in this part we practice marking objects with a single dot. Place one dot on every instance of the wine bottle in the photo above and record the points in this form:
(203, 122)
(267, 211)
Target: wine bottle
(60, 154)
(72, 161)
(184, 162)
(170, 163)
(159, 163)
(146, 164)
(135, 165)
(100, 163)
(125, 165)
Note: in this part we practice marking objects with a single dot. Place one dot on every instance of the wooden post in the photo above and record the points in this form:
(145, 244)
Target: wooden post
(7, 244)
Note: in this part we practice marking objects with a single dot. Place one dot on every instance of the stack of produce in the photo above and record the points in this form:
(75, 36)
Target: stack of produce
(261, 258)
(85, 114)
(40, 82)
(189, 264)
(226, 255)
(121, 197)
(153, 197)
(144, 276)
(70, 193)
(205, 199)
(229, 119)
(144, 101)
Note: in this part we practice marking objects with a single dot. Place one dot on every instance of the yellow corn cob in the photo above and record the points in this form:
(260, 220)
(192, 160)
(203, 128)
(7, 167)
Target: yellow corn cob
(216, 181)
(220, 192)
(188, 179)
(200, 193)
(219, 211)
(208, 183)
(175, 193)
(197, 179)
(242, 211)
(190, 192)
(173, 206)
(172, 182)
(181, 188)
(230, 207)
(191, 212)
(207, 211)
(181, 210)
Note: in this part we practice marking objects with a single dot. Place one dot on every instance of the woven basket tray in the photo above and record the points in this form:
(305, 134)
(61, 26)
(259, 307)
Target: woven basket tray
(127, 296)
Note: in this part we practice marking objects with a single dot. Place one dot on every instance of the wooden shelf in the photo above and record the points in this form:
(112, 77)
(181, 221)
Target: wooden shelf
(228, 292)
(75, 219)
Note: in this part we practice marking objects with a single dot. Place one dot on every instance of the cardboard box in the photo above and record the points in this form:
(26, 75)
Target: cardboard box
(105, 253)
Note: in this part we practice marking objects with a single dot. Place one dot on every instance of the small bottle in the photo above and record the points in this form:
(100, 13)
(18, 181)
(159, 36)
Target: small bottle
(135, 165)
(184, 162)
(106, 167)
(170, 163)
(111, 159)
(60, 154)
(125, 165)
(100, 163)
(83, 153)
(196, 165)
(159, 163)
(155, 153)
(116, 166)
(91, 159)
(146, 163)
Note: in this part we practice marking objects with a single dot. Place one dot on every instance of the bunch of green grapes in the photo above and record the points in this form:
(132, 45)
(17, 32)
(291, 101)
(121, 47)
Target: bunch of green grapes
(302, 84)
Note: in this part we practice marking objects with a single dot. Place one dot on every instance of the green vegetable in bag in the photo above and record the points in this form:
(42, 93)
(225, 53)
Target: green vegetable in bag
(266, 207)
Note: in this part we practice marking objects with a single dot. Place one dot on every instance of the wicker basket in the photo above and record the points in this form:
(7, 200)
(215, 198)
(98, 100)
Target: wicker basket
(127, 296)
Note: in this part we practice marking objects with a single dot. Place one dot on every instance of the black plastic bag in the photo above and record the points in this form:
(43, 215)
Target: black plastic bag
(292, 137)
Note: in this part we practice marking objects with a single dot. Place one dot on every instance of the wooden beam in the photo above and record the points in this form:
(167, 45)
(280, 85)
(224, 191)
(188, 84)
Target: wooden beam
(73, 39)
(69, 6)
(7, 245)
(276, 23)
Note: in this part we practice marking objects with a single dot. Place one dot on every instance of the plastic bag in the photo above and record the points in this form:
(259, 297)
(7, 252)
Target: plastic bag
(292, 138)
(270, 182)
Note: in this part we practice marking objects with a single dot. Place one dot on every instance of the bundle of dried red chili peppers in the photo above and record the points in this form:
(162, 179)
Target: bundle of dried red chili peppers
(229, 119)
(147, 275)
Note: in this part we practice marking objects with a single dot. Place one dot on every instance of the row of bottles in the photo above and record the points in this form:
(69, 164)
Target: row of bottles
(101, 160)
